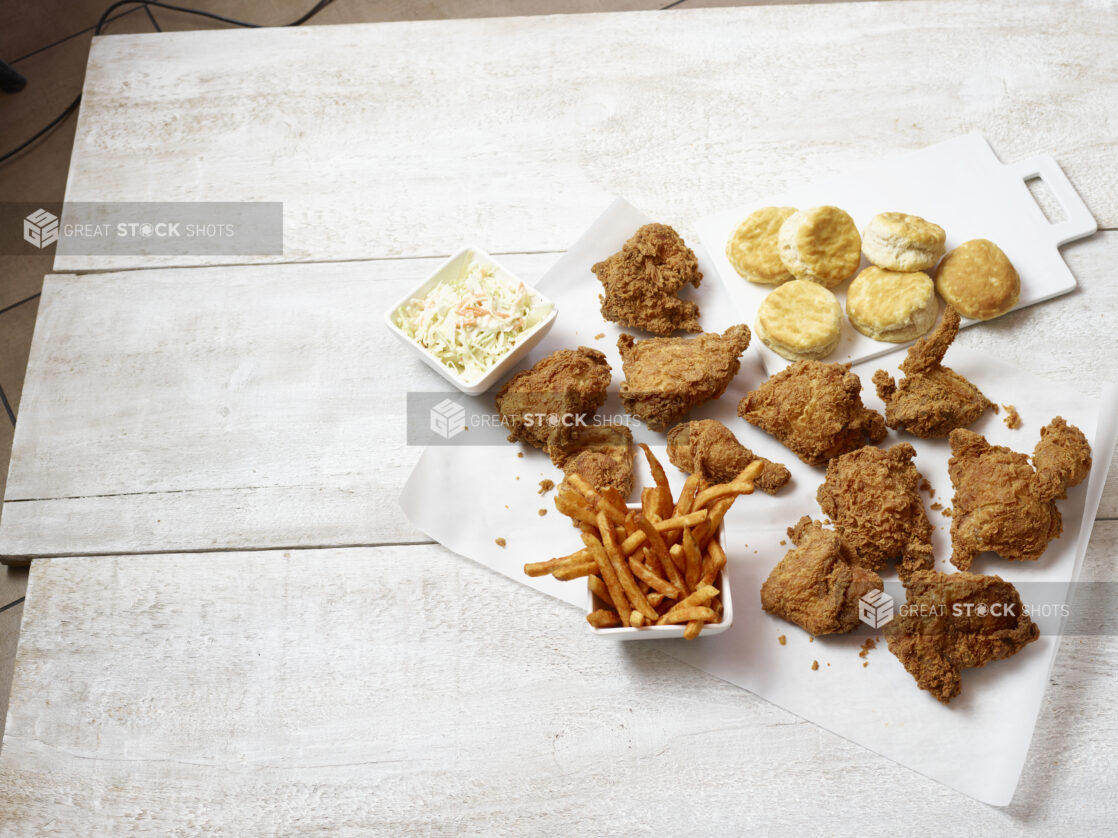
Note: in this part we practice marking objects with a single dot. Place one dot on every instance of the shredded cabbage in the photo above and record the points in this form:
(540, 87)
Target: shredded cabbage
(471, 321)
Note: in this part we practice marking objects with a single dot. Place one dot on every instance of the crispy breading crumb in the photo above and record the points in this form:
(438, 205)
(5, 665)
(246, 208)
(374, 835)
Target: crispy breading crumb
(865, 664)
(782, 640)
(946, 512)
(783, 542)
(996, 409)
(1012, 417)
(542, 512)
(500, 542)
(599, 336)
(546, 486)
(520, 454)
(937, 506)
(814, 666)
(870, 643)
(811, 638)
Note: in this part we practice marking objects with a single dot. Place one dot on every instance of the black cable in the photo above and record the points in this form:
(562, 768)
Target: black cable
(151, 17)
(73, 106)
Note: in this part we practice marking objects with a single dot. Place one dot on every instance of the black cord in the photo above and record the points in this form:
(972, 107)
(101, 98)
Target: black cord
(73, 106)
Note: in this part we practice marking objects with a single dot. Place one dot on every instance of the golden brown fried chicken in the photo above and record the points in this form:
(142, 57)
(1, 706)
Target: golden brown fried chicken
(602, 455)
(666, 377)
(541, 405)
(817, 585)
(708, 448)
(872, 497)
(642, 279)
(956, 621)
(1002, 504)
(814, 409)
(932, 400)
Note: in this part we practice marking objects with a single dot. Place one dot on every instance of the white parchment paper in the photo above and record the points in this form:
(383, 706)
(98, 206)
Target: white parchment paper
(469, 491)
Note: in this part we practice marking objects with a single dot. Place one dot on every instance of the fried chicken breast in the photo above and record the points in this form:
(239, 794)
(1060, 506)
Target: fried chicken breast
(642, 279)
(814, 409)
(541, 405)
(817, 584)
(932, 400)
(872, 497)
(708, 448)
(1003, 504)
(956, 621)
(602, 455)
(666, 377)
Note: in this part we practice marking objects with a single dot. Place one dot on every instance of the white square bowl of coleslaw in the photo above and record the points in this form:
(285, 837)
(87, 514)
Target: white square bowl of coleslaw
(472, 320)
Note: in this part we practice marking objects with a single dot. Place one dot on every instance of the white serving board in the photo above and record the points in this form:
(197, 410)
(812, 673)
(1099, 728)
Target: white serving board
(959, 184)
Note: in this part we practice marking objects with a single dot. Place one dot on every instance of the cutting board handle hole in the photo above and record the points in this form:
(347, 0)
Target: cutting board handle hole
(1046, 199)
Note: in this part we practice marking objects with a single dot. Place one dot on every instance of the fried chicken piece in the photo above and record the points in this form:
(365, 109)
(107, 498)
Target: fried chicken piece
(541, 405)
(642, 279)
(932, 400)
(708, 448)
(817, 584)
(602, 455)
(956, 621)
(872, 497)
(1002, 504)
(814, 409)
(666, 377)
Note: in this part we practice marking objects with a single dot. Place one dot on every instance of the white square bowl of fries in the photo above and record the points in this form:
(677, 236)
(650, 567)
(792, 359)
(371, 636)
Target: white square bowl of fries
(656, 569)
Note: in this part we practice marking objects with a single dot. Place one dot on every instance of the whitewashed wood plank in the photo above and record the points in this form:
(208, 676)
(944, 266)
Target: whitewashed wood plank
(263, 406)
(404, 690)
(407, 138)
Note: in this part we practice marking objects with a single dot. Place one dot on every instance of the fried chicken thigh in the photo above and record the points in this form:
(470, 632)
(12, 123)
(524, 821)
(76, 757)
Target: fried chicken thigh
(814, 409)
(873, 499)
(602, 455)
(932, 400)
(666, 377)
(817, 585)
(540, 405)
(642, 279)
(1002, 504)
(708, 448)
(956, 621)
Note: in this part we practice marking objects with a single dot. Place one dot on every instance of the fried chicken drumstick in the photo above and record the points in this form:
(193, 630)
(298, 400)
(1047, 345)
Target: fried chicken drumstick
(931, 400)
(709, 449)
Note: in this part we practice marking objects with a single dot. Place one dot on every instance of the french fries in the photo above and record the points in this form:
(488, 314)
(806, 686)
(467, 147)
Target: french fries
(660, 565)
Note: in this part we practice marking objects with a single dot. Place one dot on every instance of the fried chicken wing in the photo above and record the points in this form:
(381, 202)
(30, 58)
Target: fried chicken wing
(814, 409)
(642, 279)
(956, 621)
(817, 584)
(541, 405)
(708, 448)
(666, 377)
(602, 455)
(932, 400)
(1002, 504)
(873, 499)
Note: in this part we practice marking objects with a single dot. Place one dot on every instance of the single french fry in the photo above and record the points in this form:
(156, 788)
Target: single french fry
(716, 607)
(687, 496)
(686, 615)
(694, 600)
(596, 502)
(603, 619)
(544, 568)
(609, 576)
(575, 571)
(636, 619)
(694, 628)
(714, 563)
(694, 558)
(566, 503)
(655, 599)
(613, 497)
(621, 569)
(658, 475)
(598, 588)
(740, 485)
(652, 580)
(650, 500)
(691, 519)
(660, 550)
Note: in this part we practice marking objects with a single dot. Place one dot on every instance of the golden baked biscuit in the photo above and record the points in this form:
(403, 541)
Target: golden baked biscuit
(753, 249)
(978, 280)
(821, 245)
(800, 321)
(891, 305)
(900, 242)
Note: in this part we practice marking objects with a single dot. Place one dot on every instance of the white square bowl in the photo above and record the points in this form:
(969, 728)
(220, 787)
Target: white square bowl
(453, 267)
(666, 632)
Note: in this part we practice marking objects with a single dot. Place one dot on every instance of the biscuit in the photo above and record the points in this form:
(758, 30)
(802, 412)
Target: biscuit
(800, 321)
(753, 248)
(821, 245)
(890, 305)
(978, 280)
(899, 242)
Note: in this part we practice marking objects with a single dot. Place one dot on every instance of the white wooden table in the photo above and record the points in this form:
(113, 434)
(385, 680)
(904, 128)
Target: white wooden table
(230, 628)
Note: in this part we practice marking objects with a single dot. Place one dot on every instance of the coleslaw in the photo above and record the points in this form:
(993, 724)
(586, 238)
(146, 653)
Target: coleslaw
(473, 320)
